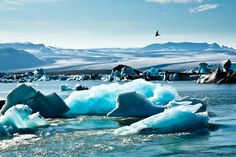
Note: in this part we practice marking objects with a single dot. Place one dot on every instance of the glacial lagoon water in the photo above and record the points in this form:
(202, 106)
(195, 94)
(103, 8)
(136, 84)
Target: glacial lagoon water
(93, 135)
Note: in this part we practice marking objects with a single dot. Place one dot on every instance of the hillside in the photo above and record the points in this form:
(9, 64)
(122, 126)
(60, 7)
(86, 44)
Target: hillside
(12, 59)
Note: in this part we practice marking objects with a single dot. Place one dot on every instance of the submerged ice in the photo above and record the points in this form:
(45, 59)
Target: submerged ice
(100, 100)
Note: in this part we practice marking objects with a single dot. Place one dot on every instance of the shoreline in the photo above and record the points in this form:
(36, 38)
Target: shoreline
(71, 72)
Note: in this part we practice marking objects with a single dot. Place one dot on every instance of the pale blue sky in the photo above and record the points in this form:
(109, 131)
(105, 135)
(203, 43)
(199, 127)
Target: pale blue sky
(117, 23)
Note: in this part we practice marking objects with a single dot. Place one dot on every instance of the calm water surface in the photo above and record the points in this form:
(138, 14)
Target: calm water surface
(93, 136)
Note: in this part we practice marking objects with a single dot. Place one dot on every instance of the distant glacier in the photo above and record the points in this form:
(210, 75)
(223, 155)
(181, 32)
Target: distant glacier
(169, 56)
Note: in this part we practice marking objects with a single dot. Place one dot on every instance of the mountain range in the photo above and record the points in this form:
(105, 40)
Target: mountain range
(184, 55)
(12, 59)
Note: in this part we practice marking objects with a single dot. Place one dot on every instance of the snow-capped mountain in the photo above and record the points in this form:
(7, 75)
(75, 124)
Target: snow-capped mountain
(39, 50)
(169, 55)
(184, 46)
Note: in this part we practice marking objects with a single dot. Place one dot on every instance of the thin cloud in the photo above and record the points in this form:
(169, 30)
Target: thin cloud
(203, 7)
(12, 2)
(175, 1)
(6, 5)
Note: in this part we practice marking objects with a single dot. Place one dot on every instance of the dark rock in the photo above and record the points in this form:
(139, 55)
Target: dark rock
(2, 102)
(95, 76)
(218, 77)
(29, 74)
(85, 77)
(2, 74)
(182, 77)
(226, 65)
(79, 87)
(121, 66)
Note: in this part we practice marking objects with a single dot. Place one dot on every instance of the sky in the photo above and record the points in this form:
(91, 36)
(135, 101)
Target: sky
(117, 23)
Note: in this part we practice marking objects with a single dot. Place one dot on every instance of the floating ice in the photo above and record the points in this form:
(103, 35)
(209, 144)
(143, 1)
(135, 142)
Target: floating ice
(48, 106)
(151, 72)
(115, 76)
(132, 104)
(126, 71)
(188, 101)
(44, 78)
(163, 95)
(99, 100)
(39, 72)
(65, 87)
(20, 117)
(177, 119)
(203, 68)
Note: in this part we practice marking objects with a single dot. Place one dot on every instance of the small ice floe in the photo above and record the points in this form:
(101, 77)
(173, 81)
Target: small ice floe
(65, 87)
(44, 78)
(184, 118)
(18, 118)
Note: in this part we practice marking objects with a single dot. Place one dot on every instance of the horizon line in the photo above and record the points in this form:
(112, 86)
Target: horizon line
(121, 47)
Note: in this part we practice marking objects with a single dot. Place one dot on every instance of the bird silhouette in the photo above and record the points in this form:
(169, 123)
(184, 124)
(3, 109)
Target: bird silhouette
(157, 33)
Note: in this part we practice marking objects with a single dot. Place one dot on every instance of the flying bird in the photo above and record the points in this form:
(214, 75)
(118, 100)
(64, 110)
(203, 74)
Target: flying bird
(157, 33)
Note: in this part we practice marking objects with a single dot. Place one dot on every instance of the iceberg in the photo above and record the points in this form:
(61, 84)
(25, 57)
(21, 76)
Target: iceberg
(39, 72)
(121, 72)
(188, 101)
(115, 76)
(100, 100)
(151, 72)
(163, 95)
(126, 71)
(20, 117)
(44, 78)
(184, 118)
(65, 87)
(132, 104)
(48, 106)
(203, 68)
(19, 95)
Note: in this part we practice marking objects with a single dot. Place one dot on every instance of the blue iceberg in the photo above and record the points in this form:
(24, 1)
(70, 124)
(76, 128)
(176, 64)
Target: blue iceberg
(100, 100)
(183, 118)
(20, 117)
(65, 87)
(48, 106)
(132, 104)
